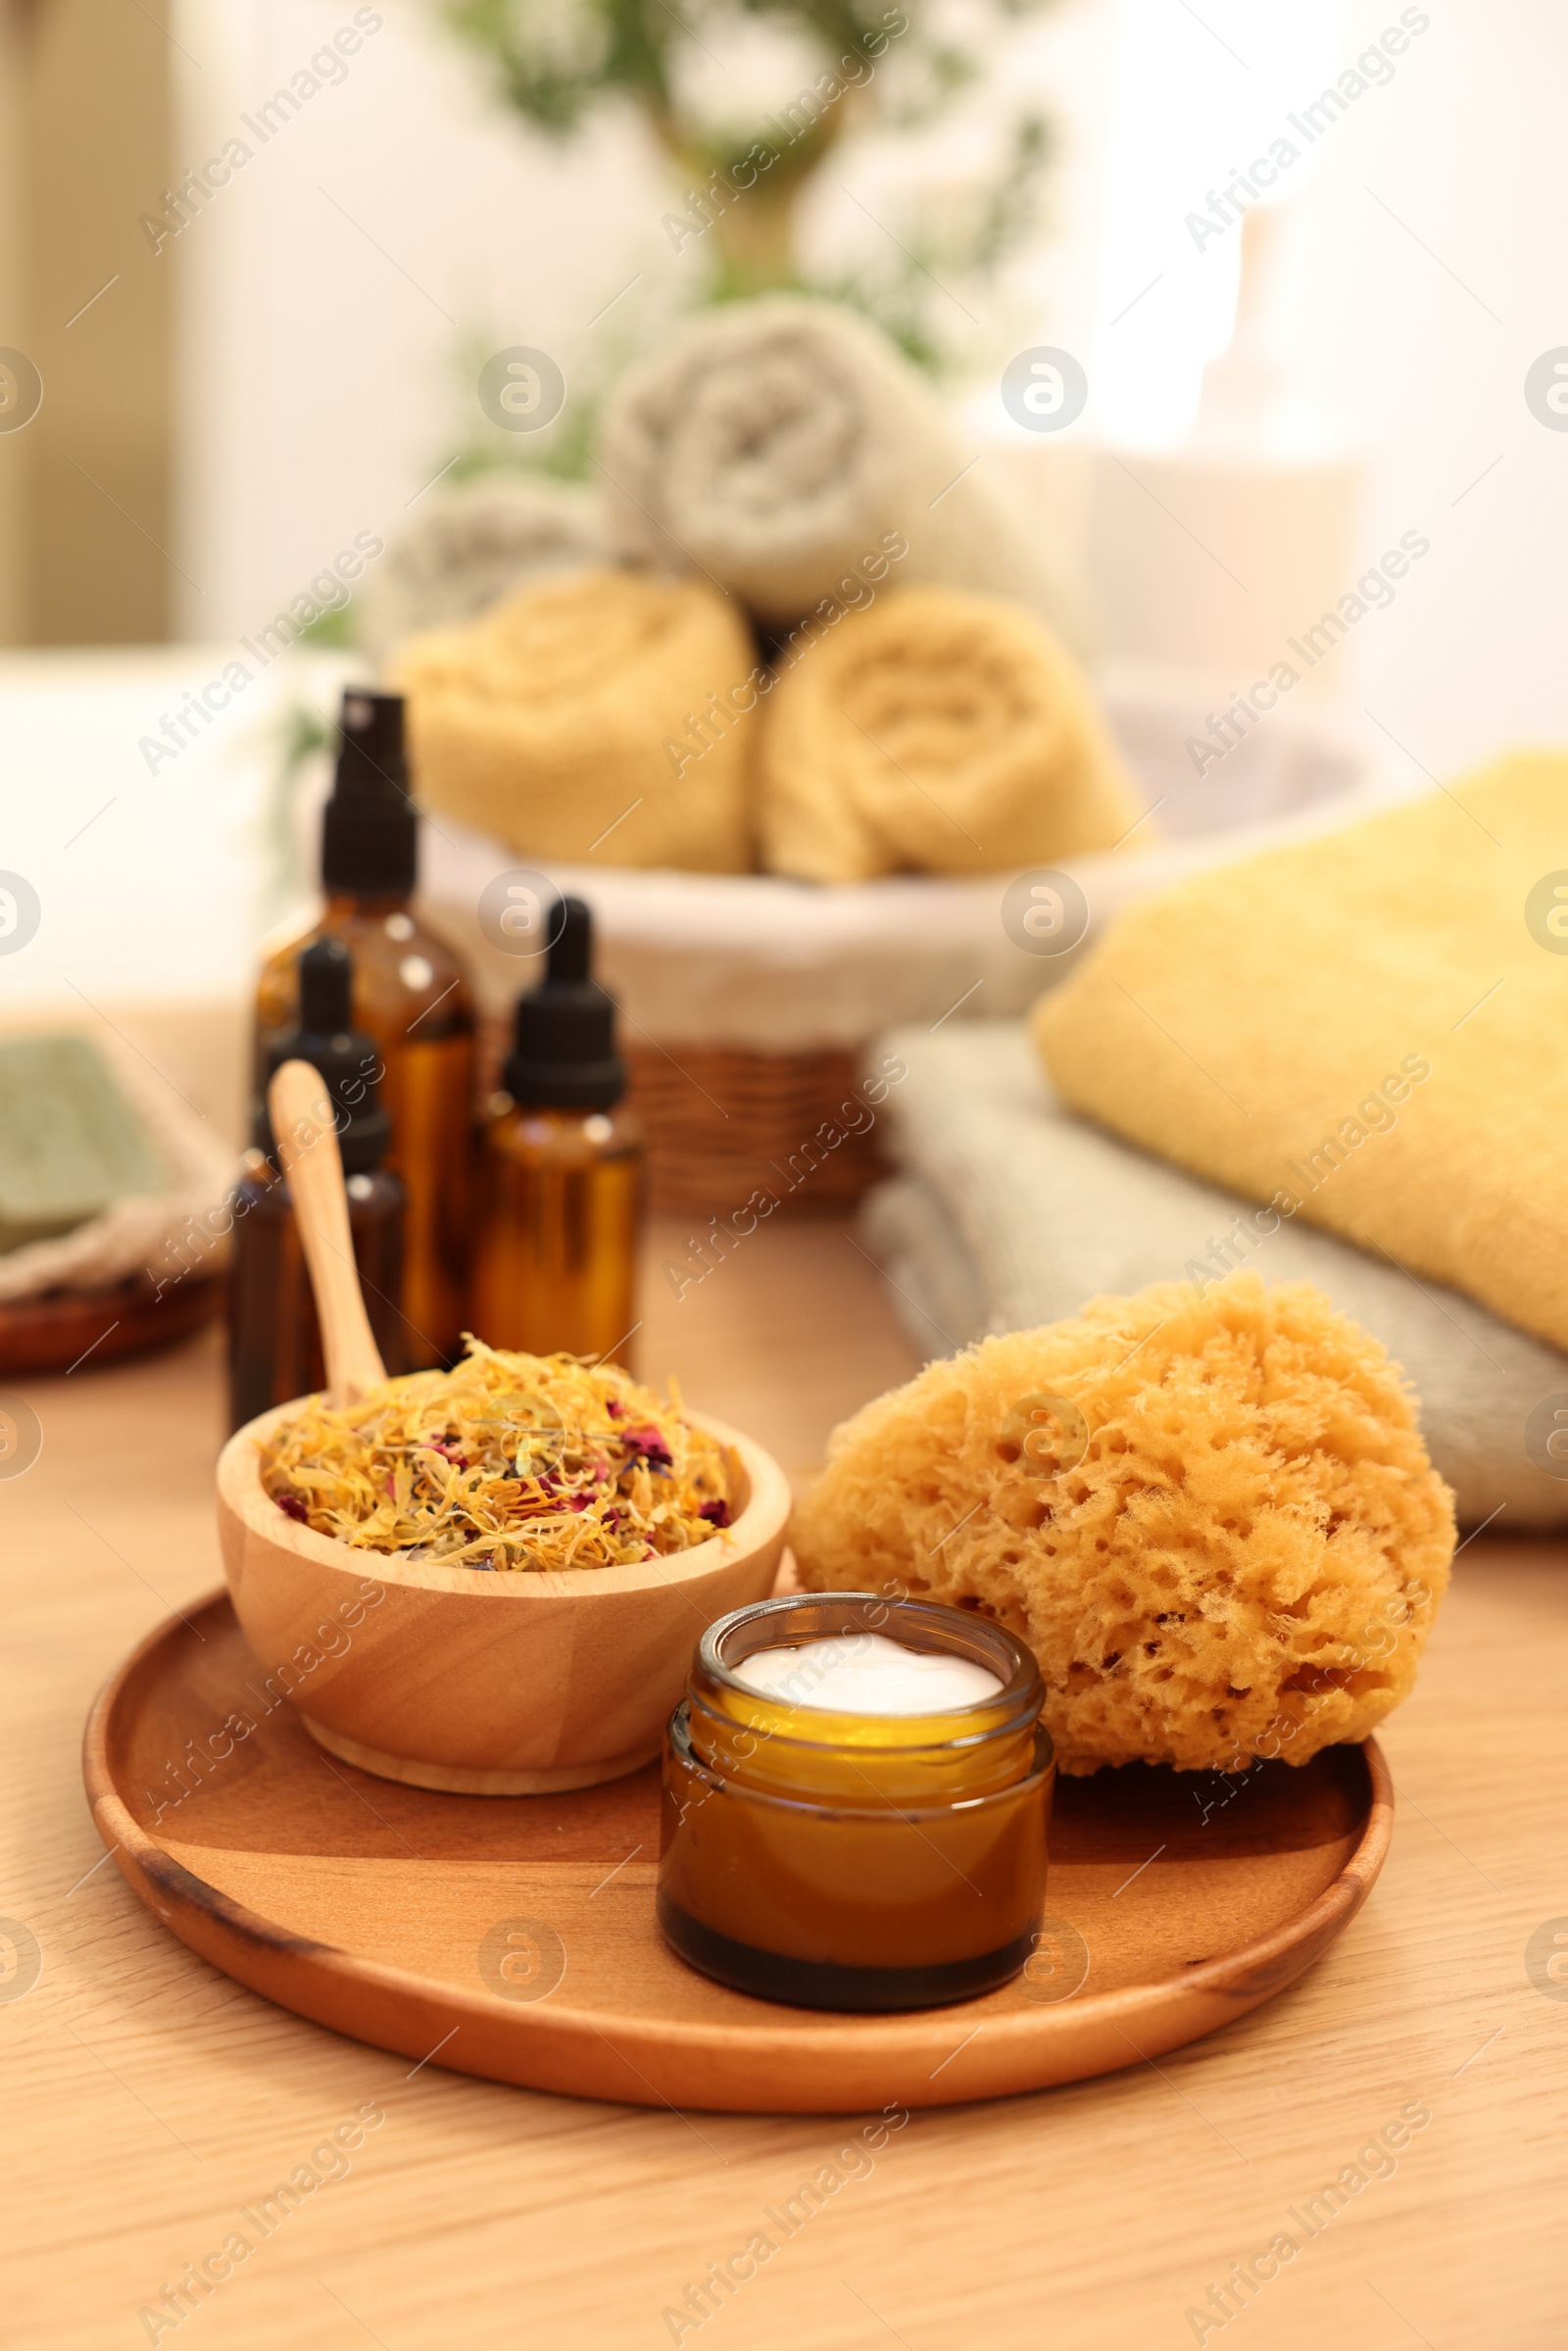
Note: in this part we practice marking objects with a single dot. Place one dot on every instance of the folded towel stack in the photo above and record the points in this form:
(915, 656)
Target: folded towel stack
(774, 445)
(1370, 1025)
(548, 722)
(1007, 1211)
(937, 732)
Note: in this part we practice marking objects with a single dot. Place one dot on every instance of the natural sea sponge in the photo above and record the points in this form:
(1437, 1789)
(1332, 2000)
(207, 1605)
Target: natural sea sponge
(559, 723)
(1214, 1523)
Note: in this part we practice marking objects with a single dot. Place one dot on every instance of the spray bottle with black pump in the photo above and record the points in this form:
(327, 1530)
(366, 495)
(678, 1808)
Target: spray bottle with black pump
(411, 996)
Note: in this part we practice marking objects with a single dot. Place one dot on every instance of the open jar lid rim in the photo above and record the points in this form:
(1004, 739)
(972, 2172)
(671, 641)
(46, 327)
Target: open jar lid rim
(948, 1631)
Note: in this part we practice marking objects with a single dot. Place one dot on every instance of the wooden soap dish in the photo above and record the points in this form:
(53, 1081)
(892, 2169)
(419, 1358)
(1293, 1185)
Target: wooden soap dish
(515, 1938)
(63, 1328)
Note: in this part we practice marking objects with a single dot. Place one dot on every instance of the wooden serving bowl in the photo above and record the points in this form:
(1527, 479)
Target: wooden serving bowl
(486, 1684)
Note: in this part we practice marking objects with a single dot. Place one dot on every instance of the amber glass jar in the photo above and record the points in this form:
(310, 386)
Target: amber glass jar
(412, 997)
(854, 1861)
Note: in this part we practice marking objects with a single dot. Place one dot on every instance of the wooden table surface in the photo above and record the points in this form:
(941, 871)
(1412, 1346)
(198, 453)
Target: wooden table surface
(149, 2099)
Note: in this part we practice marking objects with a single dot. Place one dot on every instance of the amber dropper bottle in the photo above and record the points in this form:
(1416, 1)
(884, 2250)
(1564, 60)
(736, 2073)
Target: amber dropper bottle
(411, 996)
(275, 1342)
(561, 1173)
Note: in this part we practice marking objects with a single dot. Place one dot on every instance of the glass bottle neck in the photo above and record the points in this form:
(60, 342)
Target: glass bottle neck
(340, 903)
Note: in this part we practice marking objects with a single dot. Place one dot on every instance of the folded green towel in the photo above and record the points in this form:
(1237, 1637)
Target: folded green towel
(69, 1142)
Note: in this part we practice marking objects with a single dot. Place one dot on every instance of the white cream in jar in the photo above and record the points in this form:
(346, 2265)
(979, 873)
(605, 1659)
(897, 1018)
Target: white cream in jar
(857, 1820)
(866, 1673)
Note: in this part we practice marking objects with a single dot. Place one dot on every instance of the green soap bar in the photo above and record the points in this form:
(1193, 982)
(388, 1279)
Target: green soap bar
(69, 1142)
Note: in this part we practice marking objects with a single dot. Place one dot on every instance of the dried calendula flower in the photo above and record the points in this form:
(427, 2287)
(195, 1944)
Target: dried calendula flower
(509, 1462)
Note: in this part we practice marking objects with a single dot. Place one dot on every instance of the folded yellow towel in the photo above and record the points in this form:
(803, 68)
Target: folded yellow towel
(938, 732)
(1370, 1029)
(571, 720)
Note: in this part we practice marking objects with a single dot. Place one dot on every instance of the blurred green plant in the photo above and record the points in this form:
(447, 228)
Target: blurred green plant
(560, 62)
(329, 630)
(564, 450)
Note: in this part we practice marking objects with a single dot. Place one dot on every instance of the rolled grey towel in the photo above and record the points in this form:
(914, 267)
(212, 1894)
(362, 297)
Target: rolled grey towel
(776, 444)
(468, 543)
(1008, 1212)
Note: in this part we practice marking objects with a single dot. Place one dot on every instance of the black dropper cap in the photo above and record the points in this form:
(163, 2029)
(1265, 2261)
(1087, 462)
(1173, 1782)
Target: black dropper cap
(565, 1056)
(370, 828)
(344, 1057)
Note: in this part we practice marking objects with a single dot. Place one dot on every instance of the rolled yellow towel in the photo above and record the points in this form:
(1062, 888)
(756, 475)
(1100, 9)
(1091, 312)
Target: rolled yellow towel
(567, 723)
(1214, 1522)
(935, 732)
(1369, 1029)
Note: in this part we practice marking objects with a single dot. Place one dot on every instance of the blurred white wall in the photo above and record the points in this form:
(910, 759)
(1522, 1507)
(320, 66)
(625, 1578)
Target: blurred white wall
(1424, 250)
(1194, 96)
(329, 291)
(1436, 274)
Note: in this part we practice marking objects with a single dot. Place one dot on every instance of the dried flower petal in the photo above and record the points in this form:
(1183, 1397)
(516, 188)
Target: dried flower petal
(511, 1461)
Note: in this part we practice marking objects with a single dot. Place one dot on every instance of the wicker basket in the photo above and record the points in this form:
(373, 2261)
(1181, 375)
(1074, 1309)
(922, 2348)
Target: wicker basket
(724, 1123)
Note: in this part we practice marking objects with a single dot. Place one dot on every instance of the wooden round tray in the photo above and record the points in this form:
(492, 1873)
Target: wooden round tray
(67, 1327)
(514, 1937)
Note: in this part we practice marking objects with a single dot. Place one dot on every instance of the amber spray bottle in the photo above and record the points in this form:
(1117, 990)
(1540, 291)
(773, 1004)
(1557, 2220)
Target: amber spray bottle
(411, 994)
(561, 1175)
(274, 1341)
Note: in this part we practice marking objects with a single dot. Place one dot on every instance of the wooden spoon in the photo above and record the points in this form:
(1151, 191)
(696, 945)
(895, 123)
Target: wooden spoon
(306, 1144)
